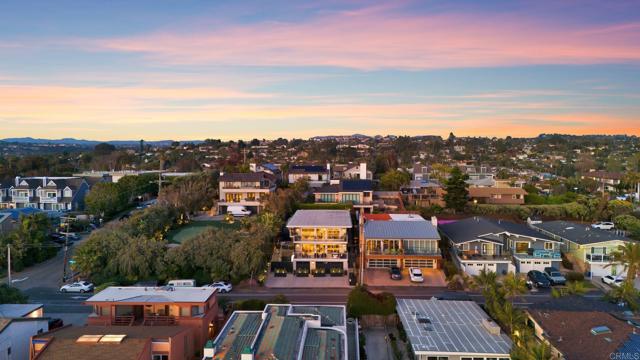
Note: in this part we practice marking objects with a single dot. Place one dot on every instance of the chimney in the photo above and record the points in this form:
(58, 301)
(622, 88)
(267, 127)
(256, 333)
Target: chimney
(252, 167)
(17, 181)
(434, 221)
(363, 171)
(44, 181)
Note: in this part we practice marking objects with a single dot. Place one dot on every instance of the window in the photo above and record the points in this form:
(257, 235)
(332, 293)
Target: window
(195, 310)
(160, 357)
(354, 198)
(522, 247)
(548, 245)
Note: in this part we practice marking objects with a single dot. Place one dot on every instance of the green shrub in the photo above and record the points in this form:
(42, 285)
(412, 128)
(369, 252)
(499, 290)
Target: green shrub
(250, 304)
(450, 269)
(363, 302)
(574, 276)
(11, 295)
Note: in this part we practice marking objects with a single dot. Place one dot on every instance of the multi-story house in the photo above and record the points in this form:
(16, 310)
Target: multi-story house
(424, 193)
(607, 181)
(500, 246)
(497, 195)
(287, 332)
(402, 240)
(187, 313)
(320, 239)
(359, 193)
(245, 189)
(357, 172)
(315, 175)
(587, 247)
(18, 322)
(45, 193)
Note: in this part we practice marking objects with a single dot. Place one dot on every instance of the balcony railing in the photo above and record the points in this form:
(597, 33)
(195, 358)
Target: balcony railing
(321, 256)
(474, 255)
(158, 320)
(598, 258)
(403, 252)
(318, 240)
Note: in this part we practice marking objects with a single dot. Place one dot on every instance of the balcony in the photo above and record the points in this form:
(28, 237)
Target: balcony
(539, 254)
(320, 256)
(599, 258)
(298, 238)
(474, 255)
(405, 252)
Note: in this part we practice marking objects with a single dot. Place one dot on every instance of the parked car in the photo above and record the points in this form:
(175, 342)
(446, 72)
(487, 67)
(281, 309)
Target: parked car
(415, 275)
(554, 276)
(395, 273)
(182, 283)
(222, 286)
(613, 280)
(80, 286)
(238, 211)
(538, 279)
(55, 323)
(603, 225)
(57, 238)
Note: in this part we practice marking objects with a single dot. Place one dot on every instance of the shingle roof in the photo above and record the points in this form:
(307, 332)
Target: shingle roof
(471, 228)
(247, 177)
(320, 218)
(581, 234)
(400, 230)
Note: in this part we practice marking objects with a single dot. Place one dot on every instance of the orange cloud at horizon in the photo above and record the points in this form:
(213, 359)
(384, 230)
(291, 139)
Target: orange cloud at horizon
(153, 114)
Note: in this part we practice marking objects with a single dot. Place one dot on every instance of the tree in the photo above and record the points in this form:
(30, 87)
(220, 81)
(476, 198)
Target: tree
(457, 194)
(192, 193)
(394, 179)
(105, 199)
(514, 285)
(104, 149)
(626, 293)
(627, 255)
(11, 295)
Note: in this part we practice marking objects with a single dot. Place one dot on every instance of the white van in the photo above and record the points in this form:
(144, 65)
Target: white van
(238, 211)
(182, 283)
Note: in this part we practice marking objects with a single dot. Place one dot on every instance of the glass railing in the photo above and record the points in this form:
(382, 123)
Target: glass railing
(598, 258)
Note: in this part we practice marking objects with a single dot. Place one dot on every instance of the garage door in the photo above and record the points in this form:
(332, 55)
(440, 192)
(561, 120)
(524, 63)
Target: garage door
(382, 263)
(528, 265)
(419, 263)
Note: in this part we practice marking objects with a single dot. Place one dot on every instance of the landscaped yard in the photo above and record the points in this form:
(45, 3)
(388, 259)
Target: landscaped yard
(195, 228)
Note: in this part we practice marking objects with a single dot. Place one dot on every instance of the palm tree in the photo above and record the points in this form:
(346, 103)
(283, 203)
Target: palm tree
(513, 285)
(512, 317)
(486, 279)
(627, 293)
(627, 255)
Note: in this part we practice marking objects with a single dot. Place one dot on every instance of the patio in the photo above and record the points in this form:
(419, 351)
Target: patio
(380, 277)
(291, 281)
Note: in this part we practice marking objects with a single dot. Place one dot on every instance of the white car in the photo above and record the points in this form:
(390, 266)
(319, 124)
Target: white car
(415, 275)
(80, 286)
(221, 286)
(603, 225)
(238, 211)
(612, 280)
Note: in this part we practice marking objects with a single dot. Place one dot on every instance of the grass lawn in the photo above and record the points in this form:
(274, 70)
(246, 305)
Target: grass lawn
(195, 228)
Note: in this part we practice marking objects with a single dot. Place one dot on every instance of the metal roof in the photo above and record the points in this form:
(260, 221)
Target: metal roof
(320, 218)
(141, 294)
(17, 310)
(445, 326)
(581, 234)
(400, 230)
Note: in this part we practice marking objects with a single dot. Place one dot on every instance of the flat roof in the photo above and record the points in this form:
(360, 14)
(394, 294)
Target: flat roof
(582, 234)
(279, 330)
(163, 294)
(452, 327)
(320, 218)
(17, 310)
(411, 229)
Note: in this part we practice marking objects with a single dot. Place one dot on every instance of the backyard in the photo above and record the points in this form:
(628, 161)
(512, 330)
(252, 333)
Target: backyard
(196, 228)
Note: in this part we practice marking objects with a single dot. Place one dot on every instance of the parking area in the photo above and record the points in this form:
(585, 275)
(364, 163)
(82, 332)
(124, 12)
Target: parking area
(291, 281)
(380, 277)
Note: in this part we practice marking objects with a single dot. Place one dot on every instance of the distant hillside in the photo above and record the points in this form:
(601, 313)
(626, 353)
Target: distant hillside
(90, 143)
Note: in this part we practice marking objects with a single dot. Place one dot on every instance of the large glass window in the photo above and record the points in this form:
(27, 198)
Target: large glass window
(353, 198)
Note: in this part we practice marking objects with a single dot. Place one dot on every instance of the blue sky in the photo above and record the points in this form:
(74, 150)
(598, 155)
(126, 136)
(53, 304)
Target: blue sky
(225, 69)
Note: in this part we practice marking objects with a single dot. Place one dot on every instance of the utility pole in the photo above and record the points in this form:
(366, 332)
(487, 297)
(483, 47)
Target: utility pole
(9, 263)
(66, 249)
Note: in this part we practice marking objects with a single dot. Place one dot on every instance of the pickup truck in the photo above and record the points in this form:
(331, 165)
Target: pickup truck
(554, 276)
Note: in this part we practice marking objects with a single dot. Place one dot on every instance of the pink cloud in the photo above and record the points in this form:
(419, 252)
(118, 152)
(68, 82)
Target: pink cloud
(376, 39)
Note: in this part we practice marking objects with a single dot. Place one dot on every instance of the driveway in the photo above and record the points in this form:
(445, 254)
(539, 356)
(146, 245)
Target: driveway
(291, 281)
(377, 344)
(380, 277)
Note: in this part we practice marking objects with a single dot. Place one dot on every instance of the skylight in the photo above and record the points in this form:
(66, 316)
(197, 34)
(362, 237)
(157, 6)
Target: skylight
(600, 330)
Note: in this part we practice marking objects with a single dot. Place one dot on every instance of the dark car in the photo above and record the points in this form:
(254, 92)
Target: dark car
(554, 276)
(395, 273)
(57, 238)
(55, 323)
(538, 278)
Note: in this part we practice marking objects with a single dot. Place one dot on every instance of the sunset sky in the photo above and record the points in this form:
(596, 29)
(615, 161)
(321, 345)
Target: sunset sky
(180, 69)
